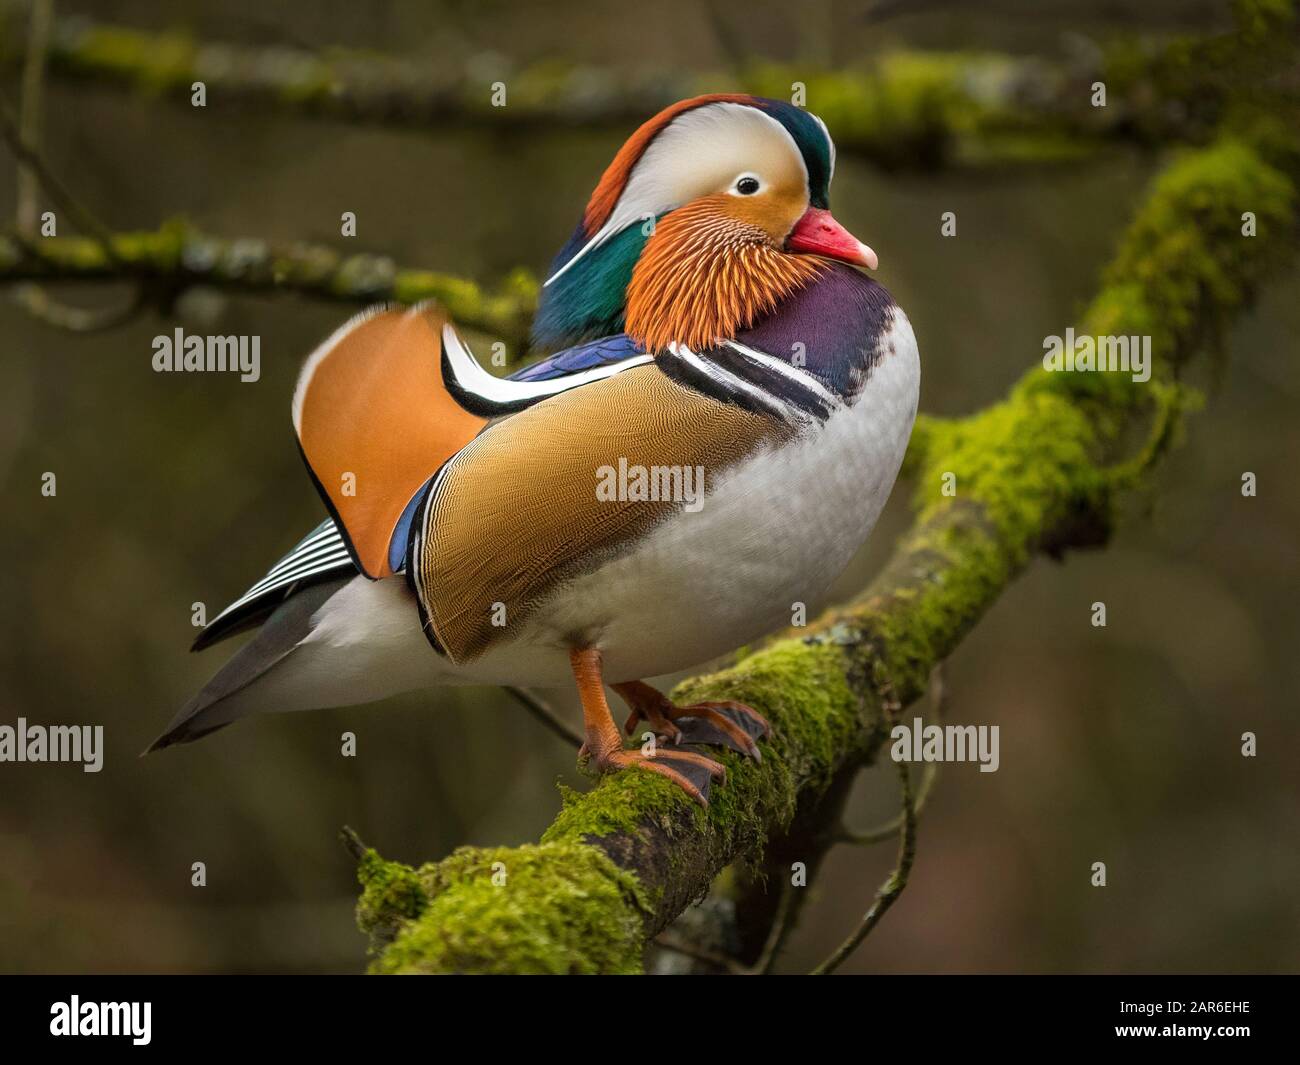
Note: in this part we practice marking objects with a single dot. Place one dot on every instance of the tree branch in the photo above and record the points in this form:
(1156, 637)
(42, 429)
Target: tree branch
(1039, 472)
(176, 256)
(908, 109)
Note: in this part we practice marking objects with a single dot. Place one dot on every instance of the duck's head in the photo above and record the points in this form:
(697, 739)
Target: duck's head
(713, 212)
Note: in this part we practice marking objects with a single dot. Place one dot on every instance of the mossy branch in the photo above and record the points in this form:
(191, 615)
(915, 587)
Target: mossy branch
(907, 109)
(1039, 472)
(175, 257)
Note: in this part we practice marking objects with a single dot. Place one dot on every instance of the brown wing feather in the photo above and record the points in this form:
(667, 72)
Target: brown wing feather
(375, 422)
(516, 513)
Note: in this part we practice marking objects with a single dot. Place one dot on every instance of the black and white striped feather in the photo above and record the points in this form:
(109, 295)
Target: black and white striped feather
(318, 556)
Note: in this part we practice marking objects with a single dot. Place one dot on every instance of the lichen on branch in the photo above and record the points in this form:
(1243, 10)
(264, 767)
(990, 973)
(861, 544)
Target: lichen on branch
(176, 256)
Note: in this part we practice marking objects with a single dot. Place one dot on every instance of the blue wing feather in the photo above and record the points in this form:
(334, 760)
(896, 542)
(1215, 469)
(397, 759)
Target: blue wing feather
(602, 352)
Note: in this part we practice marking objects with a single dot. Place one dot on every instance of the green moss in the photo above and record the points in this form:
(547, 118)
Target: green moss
(74, 253)
(554, 908)
(391, 894)
(310, 81)
(412, 286)
(153, 61)
(801, 687)
(1185, 255)
(1183, 271)
(802, 690)
(153, 250)
(924, 109)
(900, 110)
(504, 313)
(1040, 461)
(161, 248)
(1025, 461)
(175, 249)
(626, 802)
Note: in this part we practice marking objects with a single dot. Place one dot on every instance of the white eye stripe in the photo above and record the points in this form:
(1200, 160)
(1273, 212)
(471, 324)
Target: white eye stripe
(692, 156)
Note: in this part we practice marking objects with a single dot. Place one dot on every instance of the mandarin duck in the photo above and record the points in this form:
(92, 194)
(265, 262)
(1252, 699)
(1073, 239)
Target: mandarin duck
(708, 316)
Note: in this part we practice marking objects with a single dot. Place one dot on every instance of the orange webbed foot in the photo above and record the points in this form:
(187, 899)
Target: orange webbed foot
(691, 772)
(725, 722)
(688, 764)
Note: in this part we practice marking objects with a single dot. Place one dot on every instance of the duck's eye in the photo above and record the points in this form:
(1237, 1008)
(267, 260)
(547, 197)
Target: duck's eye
(747, 185)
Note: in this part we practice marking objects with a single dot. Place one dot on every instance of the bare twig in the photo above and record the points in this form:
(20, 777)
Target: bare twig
(780, 927)
(891, 828)
(671, 941)
(54, 188)
(541, 710)
(41, 305)
(352, 842)
(35, 300)
(888, 892)
(29, 119)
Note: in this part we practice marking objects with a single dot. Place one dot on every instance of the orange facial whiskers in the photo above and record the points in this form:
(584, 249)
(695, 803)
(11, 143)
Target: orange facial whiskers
(705, 274)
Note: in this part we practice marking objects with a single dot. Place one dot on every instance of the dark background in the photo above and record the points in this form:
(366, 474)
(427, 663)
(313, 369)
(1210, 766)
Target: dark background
(1118, 744)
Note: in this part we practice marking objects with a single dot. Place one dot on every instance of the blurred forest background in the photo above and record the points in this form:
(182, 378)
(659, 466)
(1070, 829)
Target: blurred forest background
(1119, 744)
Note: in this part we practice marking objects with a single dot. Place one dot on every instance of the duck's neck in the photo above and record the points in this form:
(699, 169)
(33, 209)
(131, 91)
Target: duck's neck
(697, 278)
(587, 299)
